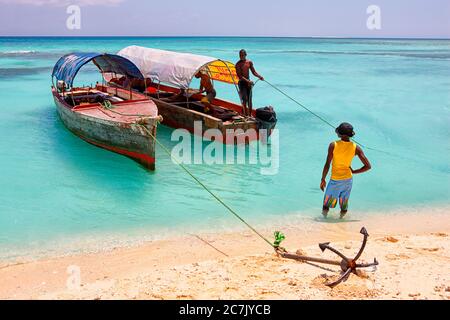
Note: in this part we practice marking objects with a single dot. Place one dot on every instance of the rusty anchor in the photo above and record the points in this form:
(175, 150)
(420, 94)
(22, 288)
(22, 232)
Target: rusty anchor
(347, 265)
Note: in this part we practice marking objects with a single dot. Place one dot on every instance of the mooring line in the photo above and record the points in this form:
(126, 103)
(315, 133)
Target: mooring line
(108, 106)
(324, 120)
(206, 188)
(209, 244)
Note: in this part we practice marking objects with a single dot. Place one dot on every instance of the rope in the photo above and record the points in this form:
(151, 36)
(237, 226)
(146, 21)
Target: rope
(206, 188)
(107, 105)
(323, 119)
(301, 105)
(209, 244)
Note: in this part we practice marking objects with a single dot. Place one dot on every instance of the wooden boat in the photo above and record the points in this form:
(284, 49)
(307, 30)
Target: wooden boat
(168, 79)
(112, 118)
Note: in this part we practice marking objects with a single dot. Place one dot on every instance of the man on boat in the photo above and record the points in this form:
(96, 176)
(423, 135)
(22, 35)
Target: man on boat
(340, 156)
(207, 87)
(243, 66)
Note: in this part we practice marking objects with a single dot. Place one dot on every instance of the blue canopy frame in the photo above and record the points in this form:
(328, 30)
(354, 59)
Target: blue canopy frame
(68, 66)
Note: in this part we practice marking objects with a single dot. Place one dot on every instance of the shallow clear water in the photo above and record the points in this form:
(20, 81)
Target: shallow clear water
(57, 190)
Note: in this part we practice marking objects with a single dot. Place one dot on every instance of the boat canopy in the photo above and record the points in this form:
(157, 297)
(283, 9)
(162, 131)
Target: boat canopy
(176, 68)
(68, 66)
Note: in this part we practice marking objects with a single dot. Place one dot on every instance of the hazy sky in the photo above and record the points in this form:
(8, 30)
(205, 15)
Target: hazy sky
(339, 18)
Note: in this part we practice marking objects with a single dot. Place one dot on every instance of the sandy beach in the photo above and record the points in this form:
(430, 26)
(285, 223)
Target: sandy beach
(412, 249)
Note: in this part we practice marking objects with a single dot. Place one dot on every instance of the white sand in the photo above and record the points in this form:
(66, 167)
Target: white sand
(413, 251)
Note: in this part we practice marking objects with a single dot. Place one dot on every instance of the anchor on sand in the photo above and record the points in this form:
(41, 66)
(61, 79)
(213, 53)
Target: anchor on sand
(347, 265)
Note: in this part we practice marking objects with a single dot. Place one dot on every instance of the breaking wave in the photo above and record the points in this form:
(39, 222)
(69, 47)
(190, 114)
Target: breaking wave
(31, 54)
(16, 53)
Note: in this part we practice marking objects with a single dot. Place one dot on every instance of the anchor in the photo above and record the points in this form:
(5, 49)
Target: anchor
(347, 265)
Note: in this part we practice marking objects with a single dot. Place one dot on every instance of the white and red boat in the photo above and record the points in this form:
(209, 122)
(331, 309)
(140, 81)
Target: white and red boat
(116, 119)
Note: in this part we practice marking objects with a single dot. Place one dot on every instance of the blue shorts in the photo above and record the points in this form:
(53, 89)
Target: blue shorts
(338, 190)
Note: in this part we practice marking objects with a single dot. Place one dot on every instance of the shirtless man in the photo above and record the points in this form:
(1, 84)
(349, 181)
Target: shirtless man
(245, 84)
(207, 87)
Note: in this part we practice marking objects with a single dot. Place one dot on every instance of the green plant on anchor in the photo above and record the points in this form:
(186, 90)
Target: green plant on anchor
(279, 237)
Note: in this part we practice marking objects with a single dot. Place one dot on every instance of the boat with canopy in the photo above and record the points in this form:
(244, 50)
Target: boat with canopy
(117, 119)
(168, 79)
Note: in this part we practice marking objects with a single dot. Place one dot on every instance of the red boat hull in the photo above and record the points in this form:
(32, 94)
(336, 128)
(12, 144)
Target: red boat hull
(124, 134)
(176, 116)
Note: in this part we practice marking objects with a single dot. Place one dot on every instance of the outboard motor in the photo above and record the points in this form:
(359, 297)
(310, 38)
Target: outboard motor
(267, 118)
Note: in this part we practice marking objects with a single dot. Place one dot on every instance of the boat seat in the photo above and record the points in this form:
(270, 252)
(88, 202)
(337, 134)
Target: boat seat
(90, 98)
(217, 112)
(222, 113)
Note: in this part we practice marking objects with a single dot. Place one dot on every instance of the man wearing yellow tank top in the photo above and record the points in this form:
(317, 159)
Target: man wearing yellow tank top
(340, 156)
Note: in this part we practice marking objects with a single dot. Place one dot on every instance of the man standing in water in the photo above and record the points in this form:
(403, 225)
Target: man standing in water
(340, 155)
(245, 84)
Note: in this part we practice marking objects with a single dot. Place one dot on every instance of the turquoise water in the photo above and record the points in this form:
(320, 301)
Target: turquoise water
(59, 192)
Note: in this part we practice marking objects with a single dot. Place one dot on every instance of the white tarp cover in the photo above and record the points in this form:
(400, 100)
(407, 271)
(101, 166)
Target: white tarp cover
(169, 67)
